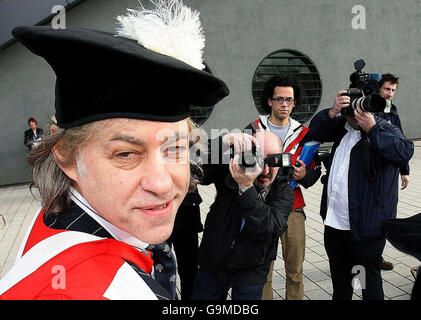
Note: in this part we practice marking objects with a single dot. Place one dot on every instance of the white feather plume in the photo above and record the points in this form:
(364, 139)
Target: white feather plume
(170, 28)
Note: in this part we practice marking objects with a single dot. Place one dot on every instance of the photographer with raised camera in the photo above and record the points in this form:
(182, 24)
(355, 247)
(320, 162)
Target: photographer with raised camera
(248, 215)
(359, 193)
(281, 94)
(383, 90)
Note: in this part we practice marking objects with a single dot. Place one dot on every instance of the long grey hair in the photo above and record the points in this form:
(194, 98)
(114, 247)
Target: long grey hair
(48, 177)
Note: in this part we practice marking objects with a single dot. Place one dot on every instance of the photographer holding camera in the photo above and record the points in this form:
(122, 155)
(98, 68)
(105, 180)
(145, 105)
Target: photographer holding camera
(359, 191)
(244, 223)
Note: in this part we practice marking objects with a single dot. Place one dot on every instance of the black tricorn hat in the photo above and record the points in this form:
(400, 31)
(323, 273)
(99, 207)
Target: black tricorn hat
(101, 76)
(404, 234)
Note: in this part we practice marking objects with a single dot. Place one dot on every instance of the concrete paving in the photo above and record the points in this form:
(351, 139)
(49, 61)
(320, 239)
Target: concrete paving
(18, 206)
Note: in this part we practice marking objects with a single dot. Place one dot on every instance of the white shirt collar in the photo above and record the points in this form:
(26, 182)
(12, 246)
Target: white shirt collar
(351, 130)
(388, 106)
(116, 232)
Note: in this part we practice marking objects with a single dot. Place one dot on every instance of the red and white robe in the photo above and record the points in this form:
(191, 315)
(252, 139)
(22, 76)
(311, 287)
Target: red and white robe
(63, 264)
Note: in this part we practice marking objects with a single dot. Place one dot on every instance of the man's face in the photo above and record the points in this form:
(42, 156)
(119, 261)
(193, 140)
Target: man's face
(267, 176)
(135, 175)
(387, 90)
(352, 122)
(281, 110)
(269, 144)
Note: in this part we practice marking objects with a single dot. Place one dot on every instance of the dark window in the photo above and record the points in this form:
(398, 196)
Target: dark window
(298, 64)
(200, 114)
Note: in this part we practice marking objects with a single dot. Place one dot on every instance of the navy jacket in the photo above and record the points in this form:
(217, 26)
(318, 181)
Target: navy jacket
(393, 118)
(370, 200)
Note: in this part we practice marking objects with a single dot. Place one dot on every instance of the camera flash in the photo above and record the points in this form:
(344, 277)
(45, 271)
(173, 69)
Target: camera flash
(286, 160)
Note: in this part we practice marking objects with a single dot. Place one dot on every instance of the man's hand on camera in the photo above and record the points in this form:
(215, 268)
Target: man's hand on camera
(339, 103)
(365, 119)
(299, 172)
(243, 178)
(240, 141)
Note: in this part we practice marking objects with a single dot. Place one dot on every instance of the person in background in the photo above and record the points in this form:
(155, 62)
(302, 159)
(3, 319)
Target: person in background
(281, 94)
(387, 88)
(359, 194)
(33, 135)
(243, 226)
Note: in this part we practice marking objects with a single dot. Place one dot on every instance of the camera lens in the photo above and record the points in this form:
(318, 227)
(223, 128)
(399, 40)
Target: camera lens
(371, 103)
(248, 161)
(361, 102)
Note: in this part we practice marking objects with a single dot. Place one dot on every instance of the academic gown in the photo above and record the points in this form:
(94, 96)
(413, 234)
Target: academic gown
(71, 256)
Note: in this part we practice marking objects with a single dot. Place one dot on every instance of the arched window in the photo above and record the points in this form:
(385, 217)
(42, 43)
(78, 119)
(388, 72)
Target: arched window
(287, 61)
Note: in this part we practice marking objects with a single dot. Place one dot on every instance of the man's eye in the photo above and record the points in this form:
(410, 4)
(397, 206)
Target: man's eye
(124, 154)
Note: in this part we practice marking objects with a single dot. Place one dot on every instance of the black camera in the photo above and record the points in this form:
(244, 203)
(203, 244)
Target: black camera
(364, 91)
(250, 158)
(280, 160)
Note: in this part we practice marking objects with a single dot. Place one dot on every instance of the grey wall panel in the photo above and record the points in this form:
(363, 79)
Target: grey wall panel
(240, 35)
(24, 12)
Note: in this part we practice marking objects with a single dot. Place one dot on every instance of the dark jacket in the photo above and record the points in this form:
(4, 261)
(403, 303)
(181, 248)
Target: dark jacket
(188, 215)
(236, 255)
(30, 137)
(370, 200)
(394, 119)
(405, 235)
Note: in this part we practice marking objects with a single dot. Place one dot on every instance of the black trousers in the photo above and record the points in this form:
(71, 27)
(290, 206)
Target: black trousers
(349, 261)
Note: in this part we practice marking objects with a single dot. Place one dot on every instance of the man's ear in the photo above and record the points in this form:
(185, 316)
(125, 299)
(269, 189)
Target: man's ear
(270, 102)
(69, 170)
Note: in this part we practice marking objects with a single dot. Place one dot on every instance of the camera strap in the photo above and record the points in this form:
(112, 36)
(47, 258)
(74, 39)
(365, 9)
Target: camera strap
(370, 168)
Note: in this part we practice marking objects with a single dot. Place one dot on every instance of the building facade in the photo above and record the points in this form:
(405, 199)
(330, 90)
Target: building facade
(246, 42)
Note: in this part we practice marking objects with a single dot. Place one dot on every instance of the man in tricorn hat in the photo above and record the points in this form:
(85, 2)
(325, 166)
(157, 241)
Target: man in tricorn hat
(113, 175)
